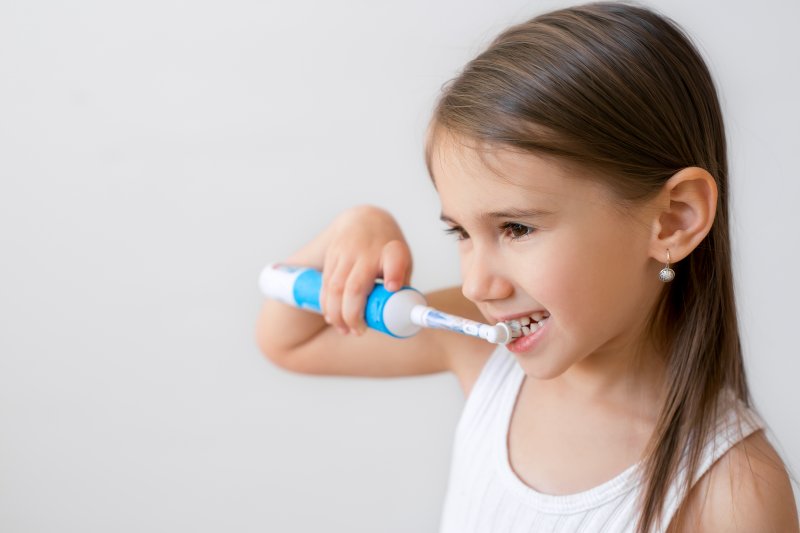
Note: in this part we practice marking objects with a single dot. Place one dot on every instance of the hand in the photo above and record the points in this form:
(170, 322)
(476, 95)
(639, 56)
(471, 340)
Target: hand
(364, 243)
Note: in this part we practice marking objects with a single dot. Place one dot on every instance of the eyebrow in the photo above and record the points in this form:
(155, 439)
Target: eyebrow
(509, 213)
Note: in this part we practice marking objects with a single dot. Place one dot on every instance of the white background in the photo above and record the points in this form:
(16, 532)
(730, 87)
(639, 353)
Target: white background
(154, 155)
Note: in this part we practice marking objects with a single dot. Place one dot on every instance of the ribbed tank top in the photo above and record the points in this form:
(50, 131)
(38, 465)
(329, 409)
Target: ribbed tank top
(484, 494)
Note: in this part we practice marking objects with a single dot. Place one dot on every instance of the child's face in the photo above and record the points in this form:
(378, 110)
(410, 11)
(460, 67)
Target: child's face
(538, 240)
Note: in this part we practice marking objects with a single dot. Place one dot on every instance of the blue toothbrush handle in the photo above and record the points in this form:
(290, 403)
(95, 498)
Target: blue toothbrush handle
(385, 311)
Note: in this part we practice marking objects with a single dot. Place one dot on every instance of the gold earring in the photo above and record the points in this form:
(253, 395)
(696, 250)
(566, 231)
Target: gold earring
(667, 274)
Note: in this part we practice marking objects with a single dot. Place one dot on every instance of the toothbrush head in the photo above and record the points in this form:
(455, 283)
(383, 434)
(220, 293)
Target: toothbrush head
(503, 332)
(515, 328)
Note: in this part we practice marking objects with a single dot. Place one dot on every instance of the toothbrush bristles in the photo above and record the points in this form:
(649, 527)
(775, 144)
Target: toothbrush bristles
(515, 327)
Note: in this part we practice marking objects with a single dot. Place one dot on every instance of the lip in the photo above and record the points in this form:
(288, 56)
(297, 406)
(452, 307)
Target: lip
(525, 344)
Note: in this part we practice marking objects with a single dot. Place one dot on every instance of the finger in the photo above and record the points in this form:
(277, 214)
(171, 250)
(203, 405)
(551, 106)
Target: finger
(395, 264)
(333, 295)
(354, 299)
(328, 268)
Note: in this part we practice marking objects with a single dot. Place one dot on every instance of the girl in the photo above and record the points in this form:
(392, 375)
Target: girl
(581, 165)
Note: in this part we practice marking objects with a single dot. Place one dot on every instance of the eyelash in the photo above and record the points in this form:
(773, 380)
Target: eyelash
(461, 235)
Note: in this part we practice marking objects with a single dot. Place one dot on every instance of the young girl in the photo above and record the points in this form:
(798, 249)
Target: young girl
(581, 164)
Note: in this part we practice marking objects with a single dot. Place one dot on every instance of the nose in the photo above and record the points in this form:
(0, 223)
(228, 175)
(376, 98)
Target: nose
(483, 280)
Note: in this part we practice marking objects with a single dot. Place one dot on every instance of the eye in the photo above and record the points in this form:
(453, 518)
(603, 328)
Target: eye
(458, 231)
(516, 231)
(513, 230)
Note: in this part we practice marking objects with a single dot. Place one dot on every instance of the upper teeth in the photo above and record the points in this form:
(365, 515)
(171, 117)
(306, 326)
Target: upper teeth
(530, 324)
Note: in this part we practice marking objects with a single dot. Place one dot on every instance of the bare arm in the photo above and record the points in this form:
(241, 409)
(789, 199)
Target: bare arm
(362, 244)
(326, 351)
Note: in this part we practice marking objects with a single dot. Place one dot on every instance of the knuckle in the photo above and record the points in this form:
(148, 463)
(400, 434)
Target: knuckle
(390, 249)
(352, 314)
(336, 285)
(355, 287)
(397, 247)
(334, 308)
(332, 312)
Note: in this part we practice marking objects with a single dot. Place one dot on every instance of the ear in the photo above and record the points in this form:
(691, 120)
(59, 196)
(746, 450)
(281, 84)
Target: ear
(686, 207)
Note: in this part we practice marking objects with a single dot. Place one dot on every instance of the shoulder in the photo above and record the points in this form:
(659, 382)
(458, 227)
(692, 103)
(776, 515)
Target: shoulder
(746, 490)
(465, 355)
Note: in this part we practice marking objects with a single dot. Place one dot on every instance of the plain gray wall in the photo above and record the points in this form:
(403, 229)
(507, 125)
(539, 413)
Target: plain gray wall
(154, 155)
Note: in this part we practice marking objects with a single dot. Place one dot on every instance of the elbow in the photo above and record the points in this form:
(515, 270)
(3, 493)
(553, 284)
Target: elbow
(271, 350)
(286, 359)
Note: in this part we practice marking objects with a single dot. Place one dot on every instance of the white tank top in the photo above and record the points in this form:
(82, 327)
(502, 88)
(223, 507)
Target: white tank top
(485, 495)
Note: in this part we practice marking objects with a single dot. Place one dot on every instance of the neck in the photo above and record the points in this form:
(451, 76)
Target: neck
(627, 377)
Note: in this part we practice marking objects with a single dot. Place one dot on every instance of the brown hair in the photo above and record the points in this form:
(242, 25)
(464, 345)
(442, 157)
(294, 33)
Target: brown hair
(622, 91)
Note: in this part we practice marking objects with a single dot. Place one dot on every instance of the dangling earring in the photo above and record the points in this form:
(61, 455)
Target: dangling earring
(667, 274)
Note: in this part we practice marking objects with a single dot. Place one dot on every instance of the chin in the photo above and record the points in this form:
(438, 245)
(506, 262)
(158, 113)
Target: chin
(542, 370)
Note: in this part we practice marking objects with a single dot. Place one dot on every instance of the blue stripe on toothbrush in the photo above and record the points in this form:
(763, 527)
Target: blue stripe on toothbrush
(307, 288)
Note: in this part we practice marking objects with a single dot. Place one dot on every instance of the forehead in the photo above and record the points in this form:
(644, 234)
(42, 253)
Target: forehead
(468, 175)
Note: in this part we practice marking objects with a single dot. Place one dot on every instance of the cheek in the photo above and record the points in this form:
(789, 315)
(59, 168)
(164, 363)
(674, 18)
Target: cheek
(572, 286)
(558, 278)
(586, 284)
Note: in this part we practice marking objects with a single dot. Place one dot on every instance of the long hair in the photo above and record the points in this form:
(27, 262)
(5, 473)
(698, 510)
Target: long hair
(622, 91)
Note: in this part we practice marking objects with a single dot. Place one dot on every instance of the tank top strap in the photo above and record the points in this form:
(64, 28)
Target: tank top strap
(735, 423)
(484, 399)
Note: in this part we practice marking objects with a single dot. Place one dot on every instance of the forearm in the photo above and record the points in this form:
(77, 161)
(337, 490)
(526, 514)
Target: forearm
(361, 244)
(281, 327)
